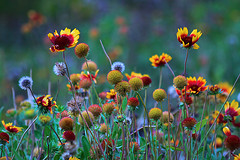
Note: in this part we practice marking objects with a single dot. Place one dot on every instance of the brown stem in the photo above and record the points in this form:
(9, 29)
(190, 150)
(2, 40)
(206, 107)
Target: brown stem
(185, 64)
(56, 135)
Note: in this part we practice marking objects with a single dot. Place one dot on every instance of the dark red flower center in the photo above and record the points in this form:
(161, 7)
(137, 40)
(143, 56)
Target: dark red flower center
(187, 39)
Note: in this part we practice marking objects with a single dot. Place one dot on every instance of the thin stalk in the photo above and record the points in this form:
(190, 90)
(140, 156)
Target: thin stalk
(185, 64)
(169, 110)
(219, 112)
(6, 154)
(39, 156)
(106, 53)
(169, 68)
(160, 78)
(21, 139)
(144, 122)
(48, 147)
(56, 134)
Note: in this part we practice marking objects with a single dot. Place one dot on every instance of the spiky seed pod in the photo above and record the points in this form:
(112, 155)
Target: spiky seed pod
(108, 108)
(165, 117)
(103, 128)
(159, 95)
(81, 50)
(114, 77)
(155, 114)
(136, 83)
(66, 123)
(232, 142)
(92, 66)
(133, 102)
(85, 83)
(189, 122)
(180, 81)
(146, 81)
(87, 118)
(69, 135)
(122, 88)
(135, 145)
(95, 109)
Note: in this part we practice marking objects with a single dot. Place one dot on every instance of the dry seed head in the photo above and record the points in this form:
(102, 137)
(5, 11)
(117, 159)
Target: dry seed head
(92, 66)
(81, 50)
(136, 83)
(122, 88)
(108, 108)
(180, 81)
(87, 118)
(159, 95)
(114, 77)
(66, 123)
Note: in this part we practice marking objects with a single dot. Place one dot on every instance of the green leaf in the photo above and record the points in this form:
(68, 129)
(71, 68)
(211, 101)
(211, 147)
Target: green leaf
(86, 146)
(114, 132)
(142, 141)
(204, 122)
(124, 104)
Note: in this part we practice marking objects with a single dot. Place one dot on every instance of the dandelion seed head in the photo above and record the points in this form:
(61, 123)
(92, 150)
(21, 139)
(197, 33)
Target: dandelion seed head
(59, 69)
(118, 66)
(25, 82)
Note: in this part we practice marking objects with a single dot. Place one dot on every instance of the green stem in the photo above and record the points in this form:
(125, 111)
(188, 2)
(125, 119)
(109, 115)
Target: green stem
(185, 64)
(160, 78)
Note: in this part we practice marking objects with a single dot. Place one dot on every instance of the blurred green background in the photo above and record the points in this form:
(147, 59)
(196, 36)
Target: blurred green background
(131, 31)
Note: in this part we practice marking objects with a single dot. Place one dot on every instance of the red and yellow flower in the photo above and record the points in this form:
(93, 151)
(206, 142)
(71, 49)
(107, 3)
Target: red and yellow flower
(232, 142)
(66, 39)
(237, 157)
(161, 60)
(4, 137)
(112, 94)
(220, 117)
(184, 98)
(134, 74)
(87, 75)
(196, 86)
(9, 127)
(188, 41)
(45, 103)
(225, 91)
(231, 109)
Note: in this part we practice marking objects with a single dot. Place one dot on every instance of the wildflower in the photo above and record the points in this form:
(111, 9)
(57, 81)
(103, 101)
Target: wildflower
(25, 82)
(236, 121)
(81, 50)
(87, 118)
(95, 109)
(87, 75)
(146, 80)
(93, 33)
(214, 89)
(237, 157)
(108, 108)
(107, 144)
(112, 94)
(196, 86)
(36, 151)
(155, 114)
(11, 112)
(92, 66)
(220, 117)
(69, 135)
(232, 142)
(9, 127)
(4, 137)
(73, 158)
(159, 95)
(135, 146)
(64, 114)
(36, 18)
(232, 110)
(66, 39)
(159, 61)
(165, 119)
(66, 123)
(103, 128)
(60, 69)
(85, 83)
(180, 82)
(44, 119)
(188, 41)
(75, 78)
(225, 91)
(189, 122)
(118, 66)
(114, 77)
(218, 143)
(184, 98)
(136, 83)
(25, 104)
(133, 102)
(122, 88)
(76, 87)
(103, 95)
(45, 103)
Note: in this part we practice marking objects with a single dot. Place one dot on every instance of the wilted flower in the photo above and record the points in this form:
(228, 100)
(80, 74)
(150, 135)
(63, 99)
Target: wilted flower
(118, 66)
(25, 82)
(60, 69)
(4, 137)
(66, 39)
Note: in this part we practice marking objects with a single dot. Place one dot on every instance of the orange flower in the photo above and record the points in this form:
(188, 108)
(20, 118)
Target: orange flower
(46, 103)
(184, 98)
(188, 41)
(225, 89)
(161, 60)
(87, 75)
(232, 110)
(134, 74)
(237, 157)
(66, 39)
(76, 86)
(220, 117)
(9, 127)
(111, 94)
(196, 86)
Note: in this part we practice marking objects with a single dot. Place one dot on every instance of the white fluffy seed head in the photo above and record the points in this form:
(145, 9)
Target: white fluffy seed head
(25, 82)
(118, 66)
(59, 68)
